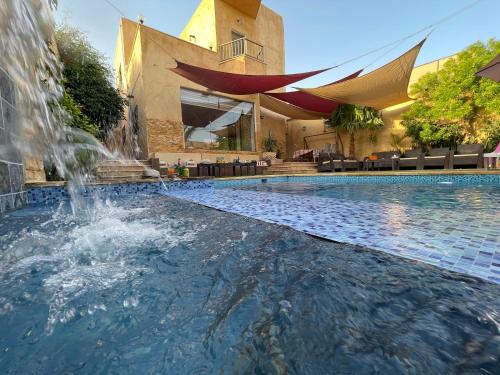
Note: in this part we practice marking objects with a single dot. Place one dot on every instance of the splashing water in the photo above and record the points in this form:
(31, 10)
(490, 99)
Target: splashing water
(89, 248)
(29, 55)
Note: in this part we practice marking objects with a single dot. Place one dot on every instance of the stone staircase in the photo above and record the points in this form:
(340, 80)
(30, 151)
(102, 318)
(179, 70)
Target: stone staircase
(115, 170)
(287, 168)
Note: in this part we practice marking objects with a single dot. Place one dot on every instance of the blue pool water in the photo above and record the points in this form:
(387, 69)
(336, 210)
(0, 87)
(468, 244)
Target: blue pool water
(155, 285)
(453, 226)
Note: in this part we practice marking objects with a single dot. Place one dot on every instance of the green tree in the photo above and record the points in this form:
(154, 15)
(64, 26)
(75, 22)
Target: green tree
(352, 119)
(77, 119)
(453, 105)
(87, 79)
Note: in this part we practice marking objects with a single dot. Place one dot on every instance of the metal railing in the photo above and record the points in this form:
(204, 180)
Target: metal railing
(241, 47)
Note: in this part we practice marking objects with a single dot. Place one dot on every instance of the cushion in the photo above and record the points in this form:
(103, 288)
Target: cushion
(439, 151)
(435, 157)
(415, 158)
(412, 153)
(470, 149)
(466, 155)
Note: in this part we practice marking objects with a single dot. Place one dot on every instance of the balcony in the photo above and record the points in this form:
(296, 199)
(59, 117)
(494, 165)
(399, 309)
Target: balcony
(241, 47)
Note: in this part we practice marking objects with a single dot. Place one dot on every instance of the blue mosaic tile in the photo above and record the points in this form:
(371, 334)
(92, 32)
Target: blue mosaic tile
(54, 194)
(420, 233)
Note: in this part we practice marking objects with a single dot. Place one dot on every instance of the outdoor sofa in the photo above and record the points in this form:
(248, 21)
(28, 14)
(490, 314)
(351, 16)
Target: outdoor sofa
(437, 158)
(382, 160)
(330, 162)
(413, 158)
(467, 155)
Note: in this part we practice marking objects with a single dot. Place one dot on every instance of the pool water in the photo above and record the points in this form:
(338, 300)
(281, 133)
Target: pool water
(438, 196)
(447, 225)
(153, 284)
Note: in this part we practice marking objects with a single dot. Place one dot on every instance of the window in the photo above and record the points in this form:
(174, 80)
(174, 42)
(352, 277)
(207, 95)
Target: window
(217, 123)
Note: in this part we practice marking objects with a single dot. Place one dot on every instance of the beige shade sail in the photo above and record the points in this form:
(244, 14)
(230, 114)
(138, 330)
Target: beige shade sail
(381, 88)
(287, 110)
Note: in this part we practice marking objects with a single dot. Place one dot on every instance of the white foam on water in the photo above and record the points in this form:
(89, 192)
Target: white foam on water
(88, 256)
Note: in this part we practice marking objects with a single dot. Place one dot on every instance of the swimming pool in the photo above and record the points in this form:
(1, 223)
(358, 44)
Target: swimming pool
(151, 284)
(448, 221)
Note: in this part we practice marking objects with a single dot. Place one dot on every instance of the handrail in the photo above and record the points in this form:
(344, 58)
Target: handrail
(241, 47)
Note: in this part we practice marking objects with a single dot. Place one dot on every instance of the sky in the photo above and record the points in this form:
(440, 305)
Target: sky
(318, 33)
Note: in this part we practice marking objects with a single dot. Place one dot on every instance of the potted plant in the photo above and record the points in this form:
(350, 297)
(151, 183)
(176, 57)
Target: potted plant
(270, 146)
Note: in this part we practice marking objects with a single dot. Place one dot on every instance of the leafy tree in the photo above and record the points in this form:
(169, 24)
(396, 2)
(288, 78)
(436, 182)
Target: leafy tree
(87, 79)
(352, 119)
(77, 118)
(453, 105)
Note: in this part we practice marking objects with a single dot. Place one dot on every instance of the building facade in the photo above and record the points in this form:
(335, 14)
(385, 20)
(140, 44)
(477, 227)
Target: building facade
(170, 117)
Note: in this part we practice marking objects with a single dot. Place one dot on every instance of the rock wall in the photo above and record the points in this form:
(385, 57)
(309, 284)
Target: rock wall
(12, 192)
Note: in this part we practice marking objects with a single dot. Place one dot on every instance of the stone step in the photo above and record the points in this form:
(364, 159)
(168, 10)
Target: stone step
(290, 169)
(132, 168)
(291, 172)
(114, 178)
(121, 171)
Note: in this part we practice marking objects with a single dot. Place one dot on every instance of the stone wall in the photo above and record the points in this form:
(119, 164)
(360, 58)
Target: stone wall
(12, 194)
(165, 135)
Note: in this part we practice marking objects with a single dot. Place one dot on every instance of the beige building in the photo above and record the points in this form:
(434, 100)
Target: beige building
(170, 117)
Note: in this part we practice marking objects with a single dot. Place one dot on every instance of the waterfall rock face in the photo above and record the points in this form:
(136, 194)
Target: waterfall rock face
(12, 194)
(29, 82)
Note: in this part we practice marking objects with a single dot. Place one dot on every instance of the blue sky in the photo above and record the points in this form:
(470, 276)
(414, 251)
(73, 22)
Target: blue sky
(319, 33)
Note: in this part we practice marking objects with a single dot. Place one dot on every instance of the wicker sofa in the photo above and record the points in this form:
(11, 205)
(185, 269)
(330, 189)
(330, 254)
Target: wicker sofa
(467, 155)
(330, 162)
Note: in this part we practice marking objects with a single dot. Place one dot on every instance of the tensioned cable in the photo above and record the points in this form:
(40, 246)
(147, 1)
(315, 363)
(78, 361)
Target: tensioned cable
(432, 27)
(115, 8)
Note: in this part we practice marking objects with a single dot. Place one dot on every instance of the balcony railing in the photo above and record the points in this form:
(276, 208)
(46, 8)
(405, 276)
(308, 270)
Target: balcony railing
(241, 47)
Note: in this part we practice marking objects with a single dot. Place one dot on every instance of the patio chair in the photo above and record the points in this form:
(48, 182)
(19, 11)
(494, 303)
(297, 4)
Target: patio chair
(413, 158)
(467, 155)
(437, 157)
(330, 162)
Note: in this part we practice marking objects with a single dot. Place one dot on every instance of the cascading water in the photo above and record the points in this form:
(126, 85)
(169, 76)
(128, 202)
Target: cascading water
(29, 55)
(80, 265)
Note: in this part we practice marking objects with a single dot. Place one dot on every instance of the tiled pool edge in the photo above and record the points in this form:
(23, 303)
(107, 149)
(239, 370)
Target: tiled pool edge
(50, 195)
(47, 194)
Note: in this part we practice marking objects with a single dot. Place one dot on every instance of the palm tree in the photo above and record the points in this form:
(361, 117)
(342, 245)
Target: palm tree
(352, 119)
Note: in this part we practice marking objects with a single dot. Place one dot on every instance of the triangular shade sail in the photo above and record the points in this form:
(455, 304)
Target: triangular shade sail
(238, 84)
(288, 110)
(492, 70)
(311, 102)
(381, 88)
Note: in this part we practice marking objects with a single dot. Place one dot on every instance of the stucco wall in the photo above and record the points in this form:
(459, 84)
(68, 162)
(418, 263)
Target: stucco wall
(202, 26)
(266, 29)
(145, 55)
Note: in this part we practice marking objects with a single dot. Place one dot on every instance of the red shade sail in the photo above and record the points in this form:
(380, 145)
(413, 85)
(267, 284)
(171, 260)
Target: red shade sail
(311, 102)
(238, 84)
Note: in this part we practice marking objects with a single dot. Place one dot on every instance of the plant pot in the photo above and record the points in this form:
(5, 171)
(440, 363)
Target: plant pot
(269, 157)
